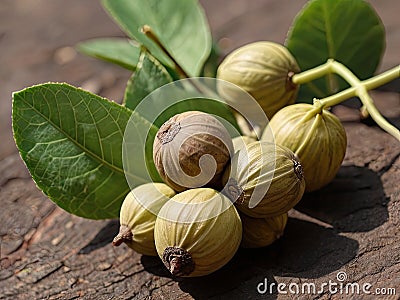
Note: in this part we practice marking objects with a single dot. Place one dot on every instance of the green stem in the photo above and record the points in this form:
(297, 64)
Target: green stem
(369, 84)
(377, 81)
(326, 68)
(362, 92)
(358, 88)
(196, 84)
(382, 78)
(312, 74)
(376, 116)
(146, 29)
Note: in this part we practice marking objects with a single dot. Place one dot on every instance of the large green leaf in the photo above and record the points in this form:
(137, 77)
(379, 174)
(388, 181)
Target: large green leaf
(348, 31)
(123, 52)
(180, 25)
(148, 76)
(71, 141)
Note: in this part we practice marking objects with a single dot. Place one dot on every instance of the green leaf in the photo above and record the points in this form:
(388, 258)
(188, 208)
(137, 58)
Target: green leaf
(180, 26)
(348, 31)
(177, 97)
(207, 105)
(211, 65)
(148, 76)
(122, 52)
(71, 142)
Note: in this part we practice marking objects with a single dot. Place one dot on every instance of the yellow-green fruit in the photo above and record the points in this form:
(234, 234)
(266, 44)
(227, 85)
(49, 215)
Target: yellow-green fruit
(138, 215)
(316, 136)
(191, 150)
(264, 180)
(261, 232)
(264, 70)
(197, 232)
(240, 142)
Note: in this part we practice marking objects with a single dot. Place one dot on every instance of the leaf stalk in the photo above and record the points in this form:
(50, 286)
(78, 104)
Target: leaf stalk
(146, 29)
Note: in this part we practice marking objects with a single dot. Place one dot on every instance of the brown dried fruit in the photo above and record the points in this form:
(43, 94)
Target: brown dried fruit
(191, 150)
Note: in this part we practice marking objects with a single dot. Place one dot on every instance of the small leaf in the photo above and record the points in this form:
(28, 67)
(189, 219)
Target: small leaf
(207, 105)
(193, 94)
(348, 31)
(180, 25)
(122, 52)
(148, 76)
(71, 142)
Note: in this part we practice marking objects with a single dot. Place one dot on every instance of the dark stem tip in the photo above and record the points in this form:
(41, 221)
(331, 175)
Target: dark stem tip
(298, 169)
(168, 131)
(290, 85)
(124, 236)
(178, 261)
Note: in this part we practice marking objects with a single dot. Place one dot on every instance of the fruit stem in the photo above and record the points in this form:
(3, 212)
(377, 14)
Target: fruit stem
(178, 261)
(361, 91)
(124, 235)
(326, 68)
(376, 116)
(358, 88)
(312, 74)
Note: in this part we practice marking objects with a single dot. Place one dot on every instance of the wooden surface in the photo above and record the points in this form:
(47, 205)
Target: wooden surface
(350, 226)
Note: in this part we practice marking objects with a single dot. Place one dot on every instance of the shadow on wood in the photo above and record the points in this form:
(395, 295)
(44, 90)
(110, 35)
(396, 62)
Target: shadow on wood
(102, 238)
(353, 202)
(307, 250)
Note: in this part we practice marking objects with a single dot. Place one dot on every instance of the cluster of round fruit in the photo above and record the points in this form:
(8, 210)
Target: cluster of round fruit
(220, 193)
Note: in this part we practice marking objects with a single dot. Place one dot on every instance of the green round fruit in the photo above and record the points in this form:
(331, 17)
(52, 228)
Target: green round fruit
(316, 136)
(264, 70)
(197, 232)
(138, 215)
